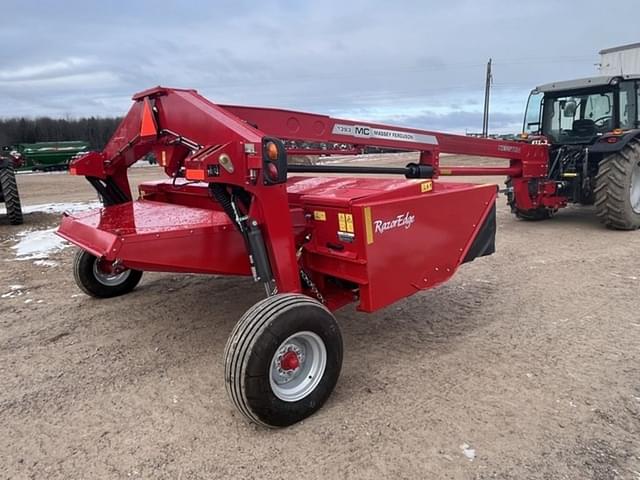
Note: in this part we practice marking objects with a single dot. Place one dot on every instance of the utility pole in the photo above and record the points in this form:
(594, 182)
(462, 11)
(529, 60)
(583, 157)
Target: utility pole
(487, 94)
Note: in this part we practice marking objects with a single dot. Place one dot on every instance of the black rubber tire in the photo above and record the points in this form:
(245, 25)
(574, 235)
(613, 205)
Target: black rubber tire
(85, 278)
(533, 215)
(613, 182)
(11, 196)
(252, 345)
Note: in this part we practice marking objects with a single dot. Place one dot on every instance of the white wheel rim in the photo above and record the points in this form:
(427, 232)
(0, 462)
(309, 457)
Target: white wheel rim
(109, 279)
(297, 366)
(634, 188)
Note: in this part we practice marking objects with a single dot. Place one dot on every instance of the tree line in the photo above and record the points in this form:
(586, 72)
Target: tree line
(95, 130)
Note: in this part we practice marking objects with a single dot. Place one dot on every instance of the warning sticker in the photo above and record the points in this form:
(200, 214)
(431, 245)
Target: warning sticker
(319, 216)
(342, 222)
(426, 186)
(345, 222)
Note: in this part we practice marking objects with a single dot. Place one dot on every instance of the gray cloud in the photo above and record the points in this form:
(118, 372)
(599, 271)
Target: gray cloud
(412, 61)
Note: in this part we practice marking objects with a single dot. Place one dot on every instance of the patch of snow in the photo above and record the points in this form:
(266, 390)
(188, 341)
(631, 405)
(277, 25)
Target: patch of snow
(38, 244)
(144, 164)
(71, 207)
(55, 172)
(28, 300)
(631, 277)
(14, 291)
(45, 263)
(468, 452)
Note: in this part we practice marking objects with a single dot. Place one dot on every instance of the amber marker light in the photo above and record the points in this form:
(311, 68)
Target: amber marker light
(272, 151)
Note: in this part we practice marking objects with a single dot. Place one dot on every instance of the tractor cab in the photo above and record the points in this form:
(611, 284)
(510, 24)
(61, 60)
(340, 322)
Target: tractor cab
(579, 112)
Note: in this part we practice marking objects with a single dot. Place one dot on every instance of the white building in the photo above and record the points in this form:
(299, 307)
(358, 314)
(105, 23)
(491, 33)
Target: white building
(623, 60)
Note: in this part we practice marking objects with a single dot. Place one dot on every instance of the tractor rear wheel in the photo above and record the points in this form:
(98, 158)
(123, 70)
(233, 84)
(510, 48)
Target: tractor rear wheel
(9, 188)
(95, 278)
(618, 188)
(283, 359)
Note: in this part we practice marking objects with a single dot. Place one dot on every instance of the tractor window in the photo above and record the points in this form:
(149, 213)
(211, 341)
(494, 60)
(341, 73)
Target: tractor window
(532, 115)
(637, 104)
(628, 105)
(574, 118)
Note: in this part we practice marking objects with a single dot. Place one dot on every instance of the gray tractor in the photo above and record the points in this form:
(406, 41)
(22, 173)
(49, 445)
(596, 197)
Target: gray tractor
(593, 129)
(9, 161)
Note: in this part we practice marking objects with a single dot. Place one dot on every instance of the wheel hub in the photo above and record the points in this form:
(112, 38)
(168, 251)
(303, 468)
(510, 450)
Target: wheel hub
(297, 366)
(290, 361)
(109, 274)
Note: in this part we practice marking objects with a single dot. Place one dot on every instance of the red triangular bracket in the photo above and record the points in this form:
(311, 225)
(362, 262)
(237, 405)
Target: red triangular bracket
(148, 126)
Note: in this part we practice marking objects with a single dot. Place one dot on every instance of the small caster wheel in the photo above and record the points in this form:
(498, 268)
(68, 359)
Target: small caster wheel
(97, 278)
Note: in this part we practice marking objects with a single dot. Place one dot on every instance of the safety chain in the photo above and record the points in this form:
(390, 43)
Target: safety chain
(312, 286)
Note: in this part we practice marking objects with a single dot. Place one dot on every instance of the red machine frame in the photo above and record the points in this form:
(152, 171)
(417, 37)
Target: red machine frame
(192, 137)
(230, 207)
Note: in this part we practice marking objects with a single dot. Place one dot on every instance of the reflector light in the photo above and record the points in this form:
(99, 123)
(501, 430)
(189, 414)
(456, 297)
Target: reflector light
(148, 125)
(272, 171)
(194, 174)
(272, 151)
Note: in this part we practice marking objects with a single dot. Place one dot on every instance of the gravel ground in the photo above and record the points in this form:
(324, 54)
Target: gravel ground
(525, 366)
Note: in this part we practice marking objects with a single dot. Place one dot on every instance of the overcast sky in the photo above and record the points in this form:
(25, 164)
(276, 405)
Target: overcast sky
(418, 63)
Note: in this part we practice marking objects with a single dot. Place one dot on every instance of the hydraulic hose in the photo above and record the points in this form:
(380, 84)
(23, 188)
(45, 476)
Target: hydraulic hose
(222, 196)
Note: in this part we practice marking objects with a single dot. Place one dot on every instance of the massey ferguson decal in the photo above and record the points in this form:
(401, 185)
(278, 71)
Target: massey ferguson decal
(404, 220)
(364, 131)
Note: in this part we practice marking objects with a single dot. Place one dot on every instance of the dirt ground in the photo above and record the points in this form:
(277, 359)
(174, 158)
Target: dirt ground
(525, 366)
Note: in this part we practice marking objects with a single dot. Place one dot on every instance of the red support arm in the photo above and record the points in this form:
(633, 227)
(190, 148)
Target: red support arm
(526, 158)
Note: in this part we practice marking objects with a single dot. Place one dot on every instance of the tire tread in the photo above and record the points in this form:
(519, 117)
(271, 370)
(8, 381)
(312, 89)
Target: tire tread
(611, 193)
(11, 195)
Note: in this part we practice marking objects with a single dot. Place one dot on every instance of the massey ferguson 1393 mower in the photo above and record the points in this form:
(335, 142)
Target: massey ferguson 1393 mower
(316, 243)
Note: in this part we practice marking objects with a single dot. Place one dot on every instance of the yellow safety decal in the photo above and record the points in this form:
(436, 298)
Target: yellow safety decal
(368, 225)
(426, 186)
(342, 222)
(445, 171)
(319, 215)
(349, 220)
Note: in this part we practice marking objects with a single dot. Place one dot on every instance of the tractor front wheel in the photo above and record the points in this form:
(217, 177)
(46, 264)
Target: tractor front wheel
(283, 359)
(618, 188)
(98, 279)
(9, 188)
